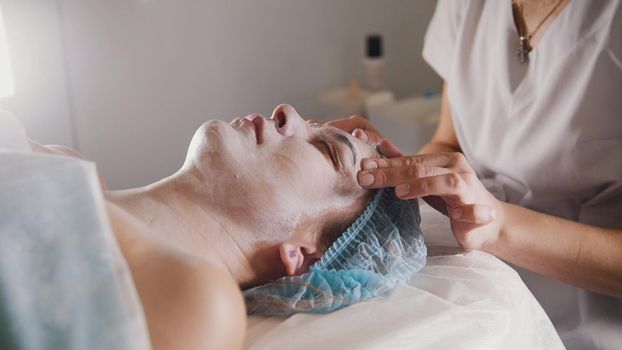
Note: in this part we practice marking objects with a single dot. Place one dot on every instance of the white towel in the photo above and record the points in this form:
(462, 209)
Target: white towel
(63, 282)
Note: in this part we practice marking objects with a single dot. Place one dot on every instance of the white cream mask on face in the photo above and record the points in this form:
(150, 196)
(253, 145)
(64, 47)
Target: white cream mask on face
(267, 185)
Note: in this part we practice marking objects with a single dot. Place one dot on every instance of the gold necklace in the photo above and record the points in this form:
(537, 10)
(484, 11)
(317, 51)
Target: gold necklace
(524, 38)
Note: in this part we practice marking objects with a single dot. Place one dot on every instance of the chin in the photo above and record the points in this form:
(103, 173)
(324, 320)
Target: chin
(214, 130)
(217, 135)
(210, 145)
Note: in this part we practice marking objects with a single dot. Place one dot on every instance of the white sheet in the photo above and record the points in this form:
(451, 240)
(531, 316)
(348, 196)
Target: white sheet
(459, 301)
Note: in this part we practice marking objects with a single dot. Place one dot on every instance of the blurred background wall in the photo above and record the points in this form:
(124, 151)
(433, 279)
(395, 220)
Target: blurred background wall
(127, 82)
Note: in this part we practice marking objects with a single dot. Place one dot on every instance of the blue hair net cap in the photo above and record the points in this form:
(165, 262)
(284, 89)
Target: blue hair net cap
(383, 248)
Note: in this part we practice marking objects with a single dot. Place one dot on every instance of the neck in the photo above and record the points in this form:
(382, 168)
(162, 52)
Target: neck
(535, 12)
(172, 213)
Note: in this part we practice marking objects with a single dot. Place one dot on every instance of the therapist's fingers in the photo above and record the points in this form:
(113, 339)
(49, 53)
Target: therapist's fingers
(451, 184)
(473, 213)
(431, 159)
(388, 149)
(391, 177)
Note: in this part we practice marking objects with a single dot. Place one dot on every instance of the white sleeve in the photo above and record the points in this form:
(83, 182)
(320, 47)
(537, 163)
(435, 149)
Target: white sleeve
(441, 35)
(615, 38)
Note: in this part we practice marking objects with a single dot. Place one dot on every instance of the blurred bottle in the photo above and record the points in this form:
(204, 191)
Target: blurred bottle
(374, 64)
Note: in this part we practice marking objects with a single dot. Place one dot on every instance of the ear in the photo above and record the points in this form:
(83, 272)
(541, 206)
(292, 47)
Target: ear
(291, 257)
(297, 259)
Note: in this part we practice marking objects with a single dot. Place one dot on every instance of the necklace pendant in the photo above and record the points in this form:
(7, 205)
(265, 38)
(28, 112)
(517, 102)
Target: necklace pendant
(523, 49)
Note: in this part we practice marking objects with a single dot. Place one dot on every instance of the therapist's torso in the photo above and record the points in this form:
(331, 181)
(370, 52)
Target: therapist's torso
(549, 132)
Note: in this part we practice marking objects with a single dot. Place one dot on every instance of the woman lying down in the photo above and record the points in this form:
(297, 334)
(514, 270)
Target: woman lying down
(263, 211)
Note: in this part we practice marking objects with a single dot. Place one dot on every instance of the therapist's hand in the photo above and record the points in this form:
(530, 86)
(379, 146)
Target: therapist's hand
(358, 127)
(362, 128)
(448, 183)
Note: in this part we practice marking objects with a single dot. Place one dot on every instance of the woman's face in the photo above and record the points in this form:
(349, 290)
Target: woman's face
(278, 172)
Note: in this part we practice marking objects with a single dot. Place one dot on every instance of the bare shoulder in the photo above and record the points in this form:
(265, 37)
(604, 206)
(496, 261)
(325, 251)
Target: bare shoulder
(188, 303)
(223, 307)
(191, 305)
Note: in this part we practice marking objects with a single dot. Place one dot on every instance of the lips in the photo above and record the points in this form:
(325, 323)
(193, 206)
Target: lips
(254, 123)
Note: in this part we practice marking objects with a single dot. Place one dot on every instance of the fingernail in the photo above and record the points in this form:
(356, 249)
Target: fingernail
(292, 253)
(370, 164)
(457, 213)
(366, 179)
(402, 190)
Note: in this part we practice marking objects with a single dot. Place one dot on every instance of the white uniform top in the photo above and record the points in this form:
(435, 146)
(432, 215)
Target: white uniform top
(549, 133)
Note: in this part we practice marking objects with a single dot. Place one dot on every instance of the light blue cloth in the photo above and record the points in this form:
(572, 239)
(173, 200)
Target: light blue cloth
(383, 248)
(63, 281)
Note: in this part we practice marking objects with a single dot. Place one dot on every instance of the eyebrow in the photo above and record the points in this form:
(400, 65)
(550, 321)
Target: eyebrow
(344, 139)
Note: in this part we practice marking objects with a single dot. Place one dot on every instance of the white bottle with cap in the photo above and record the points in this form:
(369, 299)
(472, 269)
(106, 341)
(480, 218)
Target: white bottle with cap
(374, 64)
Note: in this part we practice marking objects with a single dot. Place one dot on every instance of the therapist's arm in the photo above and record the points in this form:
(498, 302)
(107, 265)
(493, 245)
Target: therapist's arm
(444, 139)
(586, 256)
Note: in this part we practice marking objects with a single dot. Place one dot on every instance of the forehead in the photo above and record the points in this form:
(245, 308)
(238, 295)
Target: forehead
(362, 149)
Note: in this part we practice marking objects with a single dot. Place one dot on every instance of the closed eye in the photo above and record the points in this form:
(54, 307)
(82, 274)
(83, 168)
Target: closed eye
(325, 149)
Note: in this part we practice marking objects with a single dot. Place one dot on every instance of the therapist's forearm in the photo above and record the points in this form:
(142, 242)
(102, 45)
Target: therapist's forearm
(444, 139)
(585, 256)
(438, 147)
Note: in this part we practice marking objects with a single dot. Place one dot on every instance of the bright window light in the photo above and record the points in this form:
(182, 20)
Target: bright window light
(7, 86)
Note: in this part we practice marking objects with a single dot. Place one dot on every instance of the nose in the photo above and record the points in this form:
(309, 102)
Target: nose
(288, 122)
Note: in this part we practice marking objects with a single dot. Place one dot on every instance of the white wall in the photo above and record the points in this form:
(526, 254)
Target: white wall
(41, 99)
(143, 74)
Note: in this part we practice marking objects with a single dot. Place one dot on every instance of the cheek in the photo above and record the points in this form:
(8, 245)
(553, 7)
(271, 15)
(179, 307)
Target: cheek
(299, 180)
(297, 166)
(282, 168)
(302, 182)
